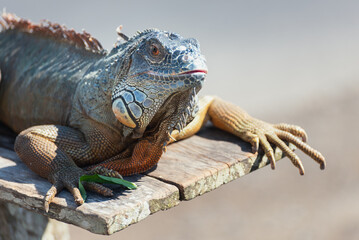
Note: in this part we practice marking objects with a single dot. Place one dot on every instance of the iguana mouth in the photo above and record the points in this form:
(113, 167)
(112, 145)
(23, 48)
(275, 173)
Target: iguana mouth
(172, 76)
(194, 71)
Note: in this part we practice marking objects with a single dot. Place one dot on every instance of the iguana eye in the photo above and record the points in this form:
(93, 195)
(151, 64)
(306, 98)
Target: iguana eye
(154, 50)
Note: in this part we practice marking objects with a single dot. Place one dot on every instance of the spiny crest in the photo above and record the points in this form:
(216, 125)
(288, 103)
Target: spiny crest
(52, 30)
(135, 39)
(139, 34)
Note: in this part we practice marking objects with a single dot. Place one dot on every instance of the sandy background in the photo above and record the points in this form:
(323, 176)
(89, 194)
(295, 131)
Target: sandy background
(282, 61)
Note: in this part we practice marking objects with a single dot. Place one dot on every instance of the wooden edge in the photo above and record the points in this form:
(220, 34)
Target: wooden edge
(201, 173)
(105, 216)
(99, 214)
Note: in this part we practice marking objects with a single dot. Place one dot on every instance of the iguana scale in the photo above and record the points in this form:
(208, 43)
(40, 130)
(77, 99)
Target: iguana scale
(80, 110)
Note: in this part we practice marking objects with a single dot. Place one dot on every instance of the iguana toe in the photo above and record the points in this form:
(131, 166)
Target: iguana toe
(293, 129)
(105, 172)
(98, 188)
(75, 193)
(268, 150)
(69, 179)
(51, 194)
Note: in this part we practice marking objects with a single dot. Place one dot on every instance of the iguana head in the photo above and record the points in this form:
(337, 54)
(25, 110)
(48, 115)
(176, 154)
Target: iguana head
(161, 73)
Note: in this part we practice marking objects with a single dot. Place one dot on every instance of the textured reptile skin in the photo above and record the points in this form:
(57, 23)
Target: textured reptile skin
(80, 110)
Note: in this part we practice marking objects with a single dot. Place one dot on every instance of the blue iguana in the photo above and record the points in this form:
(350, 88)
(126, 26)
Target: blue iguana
(81, 110)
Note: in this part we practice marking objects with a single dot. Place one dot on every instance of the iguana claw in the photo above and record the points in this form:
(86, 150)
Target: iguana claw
(70, 179)
(51, 194)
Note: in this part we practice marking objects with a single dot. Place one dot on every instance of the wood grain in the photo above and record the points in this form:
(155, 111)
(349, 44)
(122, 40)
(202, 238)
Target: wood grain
(206, 161)
(188, 169)
(20, 186)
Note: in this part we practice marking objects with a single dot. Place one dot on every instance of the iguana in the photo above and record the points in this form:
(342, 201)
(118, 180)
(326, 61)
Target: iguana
(81, 110)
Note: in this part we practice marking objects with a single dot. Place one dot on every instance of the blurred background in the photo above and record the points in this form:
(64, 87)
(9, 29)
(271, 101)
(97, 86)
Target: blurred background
(282, 61)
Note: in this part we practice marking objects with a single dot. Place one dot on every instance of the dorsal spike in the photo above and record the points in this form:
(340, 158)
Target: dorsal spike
(122, 35)
(51, 30)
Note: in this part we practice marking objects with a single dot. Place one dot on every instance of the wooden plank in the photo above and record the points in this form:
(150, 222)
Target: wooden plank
(206, 161)
(189, 168)
(101, 215)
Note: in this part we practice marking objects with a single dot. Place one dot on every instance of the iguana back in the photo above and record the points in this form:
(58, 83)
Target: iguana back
(39, 76)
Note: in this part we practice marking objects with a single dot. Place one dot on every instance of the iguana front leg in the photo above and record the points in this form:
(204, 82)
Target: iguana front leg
(56, 152)
(141, 156)
(231, 118)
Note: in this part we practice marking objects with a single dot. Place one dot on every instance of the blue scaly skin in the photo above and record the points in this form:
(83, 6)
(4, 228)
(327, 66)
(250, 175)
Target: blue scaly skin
(80, 110)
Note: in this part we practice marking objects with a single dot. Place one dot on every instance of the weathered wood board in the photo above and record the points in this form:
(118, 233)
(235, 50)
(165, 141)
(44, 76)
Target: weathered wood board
(100, 215)
(205, 161)
(189, 168)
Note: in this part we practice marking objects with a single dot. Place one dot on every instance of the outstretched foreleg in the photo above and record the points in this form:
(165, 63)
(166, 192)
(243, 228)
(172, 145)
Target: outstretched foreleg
(55, 152)
(233, 119)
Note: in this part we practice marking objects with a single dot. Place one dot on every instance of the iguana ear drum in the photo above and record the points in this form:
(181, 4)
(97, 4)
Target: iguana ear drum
(122, 114)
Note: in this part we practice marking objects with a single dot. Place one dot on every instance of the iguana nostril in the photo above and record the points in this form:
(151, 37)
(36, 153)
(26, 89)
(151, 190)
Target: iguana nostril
(187, 58)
